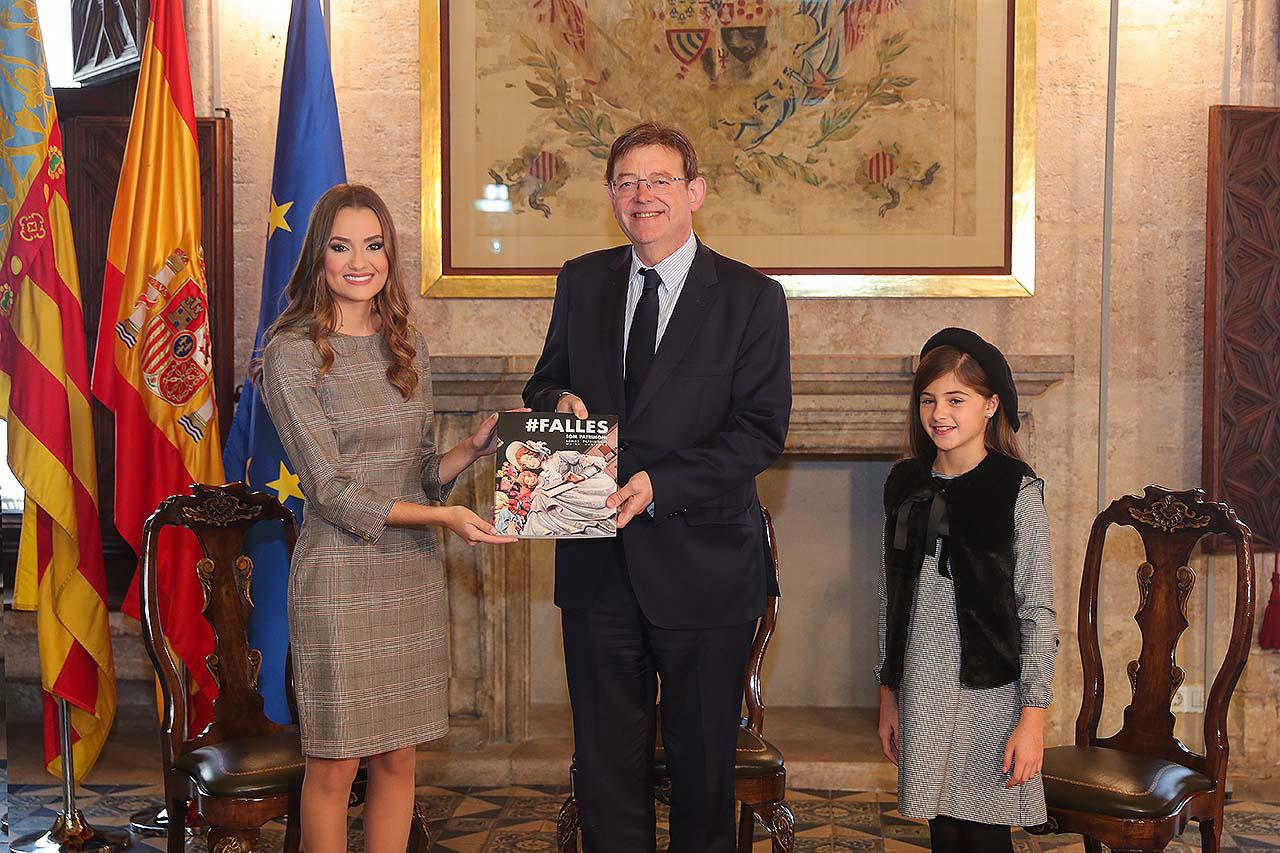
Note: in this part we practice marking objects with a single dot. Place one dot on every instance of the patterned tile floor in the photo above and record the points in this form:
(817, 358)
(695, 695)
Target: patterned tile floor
(521, 819)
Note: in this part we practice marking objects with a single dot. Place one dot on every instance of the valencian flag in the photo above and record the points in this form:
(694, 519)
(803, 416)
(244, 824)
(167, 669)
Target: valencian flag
(308, 162)
(44, 399)
(153, 367)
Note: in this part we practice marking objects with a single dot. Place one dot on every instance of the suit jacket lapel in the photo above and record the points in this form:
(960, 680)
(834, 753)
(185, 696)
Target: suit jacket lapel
(614, 309)
(696, 298)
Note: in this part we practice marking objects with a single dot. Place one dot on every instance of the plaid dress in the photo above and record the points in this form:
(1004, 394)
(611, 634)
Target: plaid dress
(367, 614)
(951, 739)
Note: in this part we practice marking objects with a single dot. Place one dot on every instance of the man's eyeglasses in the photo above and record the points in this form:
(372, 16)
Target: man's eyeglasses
(659, 184)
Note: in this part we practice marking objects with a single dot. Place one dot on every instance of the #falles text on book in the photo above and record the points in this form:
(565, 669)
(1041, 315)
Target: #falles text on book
(554, 473)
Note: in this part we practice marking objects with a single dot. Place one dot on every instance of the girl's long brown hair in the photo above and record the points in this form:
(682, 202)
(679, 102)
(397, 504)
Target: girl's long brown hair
(939, 362)
(311, 309)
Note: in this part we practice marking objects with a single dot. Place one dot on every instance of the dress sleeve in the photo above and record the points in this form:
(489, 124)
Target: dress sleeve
(289, 379)
(883, 591)
(431, 485)
(1033, 593)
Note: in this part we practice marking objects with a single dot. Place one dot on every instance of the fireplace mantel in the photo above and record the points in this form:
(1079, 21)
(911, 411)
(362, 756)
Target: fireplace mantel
(844, 405)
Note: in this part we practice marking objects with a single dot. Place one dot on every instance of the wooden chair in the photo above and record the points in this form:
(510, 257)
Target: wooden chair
(243, 770)
(761, 777)
(1137, 790)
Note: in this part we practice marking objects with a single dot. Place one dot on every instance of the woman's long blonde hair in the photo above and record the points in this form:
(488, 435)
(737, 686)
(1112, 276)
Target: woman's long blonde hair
(939, 362)
(311, 310)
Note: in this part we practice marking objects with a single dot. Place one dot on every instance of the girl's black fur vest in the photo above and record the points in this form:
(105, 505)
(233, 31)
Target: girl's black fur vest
(973, 514)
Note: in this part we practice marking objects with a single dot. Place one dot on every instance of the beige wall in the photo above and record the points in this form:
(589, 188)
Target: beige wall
(828, 516)
(1169, 73)
(823, 651)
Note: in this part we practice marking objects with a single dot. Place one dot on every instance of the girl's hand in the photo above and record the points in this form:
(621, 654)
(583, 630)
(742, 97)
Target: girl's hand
(889, 724)
(484, 441)
(471, 527)
(1024, 754)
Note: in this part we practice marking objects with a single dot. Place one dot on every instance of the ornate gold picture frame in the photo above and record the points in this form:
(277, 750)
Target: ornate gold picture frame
(530, 93)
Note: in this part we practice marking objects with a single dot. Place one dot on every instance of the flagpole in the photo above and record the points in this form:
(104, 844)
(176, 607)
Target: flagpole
(70, 831)
(4, 820)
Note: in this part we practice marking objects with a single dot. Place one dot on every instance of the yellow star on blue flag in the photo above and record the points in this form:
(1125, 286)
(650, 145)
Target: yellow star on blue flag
(275, 219)
(286, 486)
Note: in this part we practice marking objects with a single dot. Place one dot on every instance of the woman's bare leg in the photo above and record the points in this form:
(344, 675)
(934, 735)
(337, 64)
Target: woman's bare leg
(388, 805)
(326, 793)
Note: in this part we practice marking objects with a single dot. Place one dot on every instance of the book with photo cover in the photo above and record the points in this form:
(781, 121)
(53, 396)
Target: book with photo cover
(554, 473)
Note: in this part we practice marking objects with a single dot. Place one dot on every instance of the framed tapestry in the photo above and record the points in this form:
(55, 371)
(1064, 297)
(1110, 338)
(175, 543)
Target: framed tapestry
(851, 147)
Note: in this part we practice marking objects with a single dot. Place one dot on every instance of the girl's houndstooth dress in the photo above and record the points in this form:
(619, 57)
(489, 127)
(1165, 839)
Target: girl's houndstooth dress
(952, 739)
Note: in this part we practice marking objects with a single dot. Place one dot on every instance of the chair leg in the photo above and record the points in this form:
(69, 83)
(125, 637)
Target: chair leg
(176, 841)
(781, 824)
(359, 788)
(746, 829)
(567, 826)
(419, 832)
(293, 823)
(232, 840)
(1210, 836)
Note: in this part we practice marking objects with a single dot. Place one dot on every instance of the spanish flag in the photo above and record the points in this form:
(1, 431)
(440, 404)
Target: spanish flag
(153, 367)
(44, 400)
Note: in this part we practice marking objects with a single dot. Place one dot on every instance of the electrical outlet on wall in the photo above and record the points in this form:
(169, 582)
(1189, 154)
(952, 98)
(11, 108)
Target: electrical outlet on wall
(1189, 699)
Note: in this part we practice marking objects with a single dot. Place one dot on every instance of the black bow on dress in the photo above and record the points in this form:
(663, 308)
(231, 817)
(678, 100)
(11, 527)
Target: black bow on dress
(938, 525)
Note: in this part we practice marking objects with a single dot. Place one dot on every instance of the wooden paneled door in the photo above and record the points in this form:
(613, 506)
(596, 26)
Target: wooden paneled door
(94, 147)
(1241, 453)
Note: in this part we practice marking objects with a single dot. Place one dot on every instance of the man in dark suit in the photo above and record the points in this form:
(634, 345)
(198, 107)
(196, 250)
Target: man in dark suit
(691, 349)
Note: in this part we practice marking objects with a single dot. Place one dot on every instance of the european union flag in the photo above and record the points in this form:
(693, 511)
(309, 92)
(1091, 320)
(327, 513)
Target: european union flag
(308, 162)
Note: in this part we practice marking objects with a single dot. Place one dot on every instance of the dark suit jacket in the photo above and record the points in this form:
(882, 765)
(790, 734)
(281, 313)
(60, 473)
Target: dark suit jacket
(712, 414)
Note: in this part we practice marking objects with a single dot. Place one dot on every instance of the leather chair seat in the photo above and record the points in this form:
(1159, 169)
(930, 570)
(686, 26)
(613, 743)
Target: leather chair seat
(755, 756)
(1116, 783)
(262, 766)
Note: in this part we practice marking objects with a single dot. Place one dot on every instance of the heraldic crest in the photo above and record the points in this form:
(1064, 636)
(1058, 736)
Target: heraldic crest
(171, 321)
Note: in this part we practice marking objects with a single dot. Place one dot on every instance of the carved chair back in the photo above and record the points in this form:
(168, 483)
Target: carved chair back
(1170, 524)
(764, 632)
(221, 518)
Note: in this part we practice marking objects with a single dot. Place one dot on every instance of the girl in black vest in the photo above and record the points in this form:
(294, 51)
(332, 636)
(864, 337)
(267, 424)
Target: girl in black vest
(967, 627)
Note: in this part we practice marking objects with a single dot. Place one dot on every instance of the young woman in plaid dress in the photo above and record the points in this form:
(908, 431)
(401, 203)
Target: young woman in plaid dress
(347, 381)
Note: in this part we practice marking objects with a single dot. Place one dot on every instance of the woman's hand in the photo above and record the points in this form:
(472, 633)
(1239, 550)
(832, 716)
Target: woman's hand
(472, 528)
(484, 441)
(1024, 754)
(889, 724)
